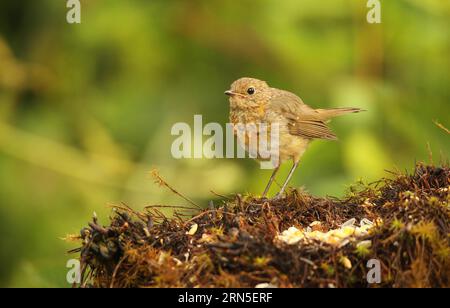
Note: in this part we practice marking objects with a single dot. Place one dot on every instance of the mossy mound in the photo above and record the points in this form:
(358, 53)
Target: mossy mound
(235, 244)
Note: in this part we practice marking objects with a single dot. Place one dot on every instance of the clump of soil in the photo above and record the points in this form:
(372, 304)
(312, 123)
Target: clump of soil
(236, 243)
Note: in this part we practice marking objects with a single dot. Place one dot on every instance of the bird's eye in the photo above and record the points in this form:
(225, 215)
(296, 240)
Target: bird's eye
(251, 90)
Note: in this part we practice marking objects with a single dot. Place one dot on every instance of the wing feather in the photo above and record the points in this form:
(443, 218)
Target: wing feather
(303, 120)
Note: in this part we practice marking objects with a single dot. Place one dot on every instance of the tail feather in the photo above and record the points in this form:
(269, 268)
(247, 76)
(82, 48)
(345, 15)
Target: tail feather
(334, 112)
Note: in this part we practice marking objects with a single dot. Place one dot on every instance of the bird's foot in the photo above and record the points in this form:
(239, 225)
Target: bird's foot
(275, 198)
(264, 198)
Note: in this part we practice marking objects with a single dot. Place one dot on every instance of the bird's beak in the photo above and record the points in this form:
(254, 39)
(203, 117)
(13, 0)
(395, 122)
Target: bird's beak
(229, 93)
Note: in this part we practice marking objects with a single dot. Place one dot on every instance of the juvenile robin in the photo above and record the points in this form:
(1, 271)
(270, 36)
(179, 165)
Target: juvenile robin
(253, 101)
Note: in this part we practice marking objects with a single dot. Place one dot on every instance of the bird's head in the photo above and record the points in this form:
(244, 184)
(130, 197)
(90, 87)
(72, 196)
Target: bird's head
(248, 92)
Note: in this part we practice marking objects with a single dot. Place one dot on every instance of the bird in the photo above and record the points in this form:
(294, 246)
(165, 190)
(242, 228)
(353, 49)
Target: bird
(254, 102)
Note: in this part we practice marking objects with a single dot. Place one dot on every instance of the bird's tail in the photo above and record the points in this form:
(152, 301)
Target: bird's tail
(334, 112)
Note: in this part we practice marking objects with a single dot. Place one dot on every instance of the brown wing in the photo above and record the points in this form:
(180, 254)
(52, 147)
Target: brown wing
(303, 120)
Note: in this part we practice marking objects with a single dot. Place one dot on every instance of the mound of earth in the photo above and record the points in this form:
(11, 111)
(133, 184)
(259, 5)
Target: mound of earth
(392, 233)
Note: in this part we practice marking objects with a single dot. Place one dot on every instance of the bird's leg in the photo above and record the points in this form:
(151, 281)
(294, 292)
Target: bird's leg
(272, 177)
(287, 180)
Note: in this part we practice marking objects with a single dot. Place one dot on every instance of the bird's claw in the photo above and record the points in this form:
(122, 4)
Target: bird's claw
(277, 197)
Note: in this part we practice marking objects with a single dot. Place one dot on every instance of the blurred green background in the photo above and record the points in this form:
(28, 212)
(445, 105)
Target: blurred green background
(86, 110)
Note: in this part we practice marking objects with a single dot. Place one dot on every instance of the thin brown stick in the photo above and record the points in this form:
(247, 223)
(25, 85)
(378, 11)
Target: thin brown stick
(203, 214)
(171, 207)
(445, 129)
(116, 269)
(160, 181)
(220, 195)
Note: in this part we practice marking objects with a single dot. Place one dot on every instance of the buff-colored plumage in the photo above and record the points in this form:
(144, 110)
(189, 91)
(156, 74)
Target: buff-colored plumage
(253, 101)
